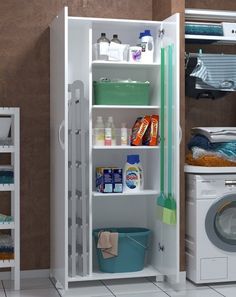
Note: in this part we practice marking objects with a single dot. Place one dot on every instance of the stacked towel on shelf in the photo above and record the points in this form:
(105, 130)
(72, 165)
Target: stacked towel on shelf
(212, 147)
(6, 247)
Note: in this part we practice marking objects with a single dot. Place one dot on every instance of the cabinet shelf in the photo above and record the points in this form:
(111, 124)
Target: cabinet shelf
(7, 187)
(7, 148)
(212, 170)
(141, 193)
(7, 263)
(6, 225)
(210, 39)
(125, 147)
(98, 63)
(148, 271)
(126, 107)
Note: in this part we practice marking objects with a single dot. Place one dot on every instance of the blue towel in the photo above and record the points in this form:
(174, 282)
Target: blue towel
(225, 149)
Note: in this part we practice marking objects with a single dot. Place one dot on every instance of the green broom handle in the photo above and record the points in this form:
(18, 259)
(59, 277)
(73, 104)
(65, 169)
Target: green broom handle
(162, 130)
(170, 114)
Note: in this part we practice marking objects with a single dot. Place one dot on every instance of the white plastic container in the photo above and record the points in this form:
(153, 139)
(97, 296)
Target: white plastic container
(132, 174)
(147, 45)
(99, 132)
(135, 53)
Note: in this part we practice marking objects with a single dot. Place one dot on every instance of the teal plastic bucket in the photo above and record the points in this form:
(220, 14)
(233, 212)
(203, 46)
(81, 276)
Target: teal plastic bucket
(132, 246)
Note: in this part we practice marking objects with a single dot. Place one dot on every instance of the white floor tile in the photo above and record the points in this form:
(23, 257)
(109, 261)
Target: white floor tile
(228, 290)
(89, 289)
(30, 283)
(189, 286)
(150, 294)
(195, 293)
(33, 293)
(128, 286)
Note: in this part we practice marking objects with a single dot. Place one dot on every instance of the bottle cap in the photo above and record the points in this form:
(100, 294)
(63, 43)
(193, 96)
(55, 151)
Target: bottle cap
(132, 159)
(115, 36)
(103, 34)
(147, 33)
(141, 35)
(123, 125)
(110, 119)
(99, 118)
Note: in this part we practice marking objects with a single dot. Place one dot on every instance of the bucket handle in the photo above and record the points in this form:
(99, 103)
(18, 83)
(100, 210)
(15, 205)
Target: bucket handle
(134, 240)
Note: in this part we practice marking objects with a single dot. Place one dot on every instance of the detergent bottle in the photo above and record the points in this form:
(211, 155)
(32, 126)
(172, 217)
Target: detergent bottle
(132, 174)
(147, 45)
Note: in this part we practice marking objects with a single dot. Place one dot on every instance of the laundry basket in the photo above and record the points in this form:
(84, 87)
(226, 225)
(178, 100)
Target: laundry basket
(132, 247)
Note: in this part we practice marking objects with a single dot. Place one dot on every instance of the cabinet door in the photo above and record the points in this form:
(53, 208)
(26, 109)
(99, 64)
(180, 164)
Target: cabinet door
(59, 146)
(170, 232)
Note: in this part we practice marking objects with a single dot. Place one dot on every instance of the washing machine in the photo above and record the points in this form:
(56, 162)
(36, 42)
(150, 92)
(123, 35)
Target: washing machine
(210, 227)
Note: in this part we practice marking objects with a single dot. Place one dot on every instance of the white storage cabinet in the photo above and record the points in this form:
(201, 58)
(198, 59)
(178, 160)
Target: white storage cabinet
(76, 208)
(12, 146)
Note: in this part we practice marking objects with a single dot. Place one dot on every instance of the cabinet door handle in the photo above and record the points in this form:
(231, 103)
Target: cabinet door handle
(180, 134)
(62, 126)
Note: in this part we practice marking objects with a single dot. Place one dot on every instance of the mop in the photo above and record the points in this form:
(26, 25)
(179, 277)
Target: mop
(169, 209)
(161, 197)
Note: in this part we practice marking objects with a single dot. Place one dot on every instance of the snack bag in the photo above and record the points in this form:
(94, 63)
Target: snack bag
(139, 129)
(151, 135)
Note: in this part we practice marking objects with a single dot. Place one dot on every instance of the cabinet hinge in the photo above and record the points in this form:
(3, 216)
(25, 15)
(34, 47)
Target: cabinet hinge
(161, 33)
(161, 248)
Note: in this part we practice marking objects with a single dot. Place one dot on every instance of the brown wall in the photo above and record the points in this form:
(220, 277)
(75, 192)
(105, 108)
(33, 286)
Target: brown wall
(24, 82)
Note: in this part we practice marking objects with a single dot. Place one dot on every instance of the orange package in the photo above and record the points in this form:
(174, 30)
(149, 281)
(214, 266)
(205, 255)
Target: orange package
(151, 135)
(139, 129)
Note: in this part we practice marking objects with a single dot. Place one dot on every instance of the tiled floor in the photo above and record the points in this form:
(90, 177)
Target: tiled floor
(142, 287)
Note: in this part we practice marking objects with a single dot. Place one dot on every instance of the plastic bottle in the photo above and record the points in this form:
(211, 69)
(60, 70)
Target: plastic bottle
(103, 46)
(115, 39)
(123, 134)
(99, 133)
(110, 137)
(132, 175)
(113, 130)
(147, 45)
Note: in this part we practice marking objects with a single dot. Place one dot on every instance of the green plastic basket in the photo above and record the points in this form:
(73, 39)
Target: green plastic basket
(132, 247)
(121, 93)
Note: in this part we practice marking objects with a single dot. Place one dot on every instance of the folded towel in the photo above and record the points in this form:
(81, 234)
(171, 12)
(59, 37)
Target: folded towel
(108, 243)
(216, 134)
(209, 161)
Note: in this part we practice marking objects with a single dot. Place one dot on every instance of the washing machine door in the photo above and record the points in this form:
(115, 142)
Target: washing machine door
(220, 223)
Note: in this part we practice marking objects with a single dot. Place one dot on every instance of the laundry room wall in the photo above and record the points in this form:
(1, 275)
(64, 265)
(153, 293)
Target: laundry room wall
(24, 82)
(207, 112)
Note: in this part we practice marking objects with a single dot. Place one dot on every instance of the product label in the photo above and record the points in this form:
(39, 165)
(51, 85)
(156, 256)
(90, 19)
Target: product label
(103, 48)
(117, 180)
(108, 136)
(132, 178)
(99, 136)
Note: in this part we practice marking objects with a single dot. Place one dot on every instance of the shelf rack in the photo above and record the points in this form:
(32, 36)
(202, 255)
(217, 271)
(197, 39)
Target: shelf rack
(206, 15)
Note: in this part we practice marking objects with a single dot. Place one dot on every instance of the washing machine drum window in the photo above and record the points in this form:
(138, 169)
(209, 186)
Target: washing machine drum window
(220, 223)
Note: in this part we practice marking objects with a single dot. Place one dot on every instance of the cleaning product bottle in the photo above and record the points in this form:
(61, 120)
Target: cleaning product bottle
(103, 46)
(115, 39)
(110, 136)
(113, 130)
(132, 175)
(123, 134)
(147, 45)
(99, 133)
